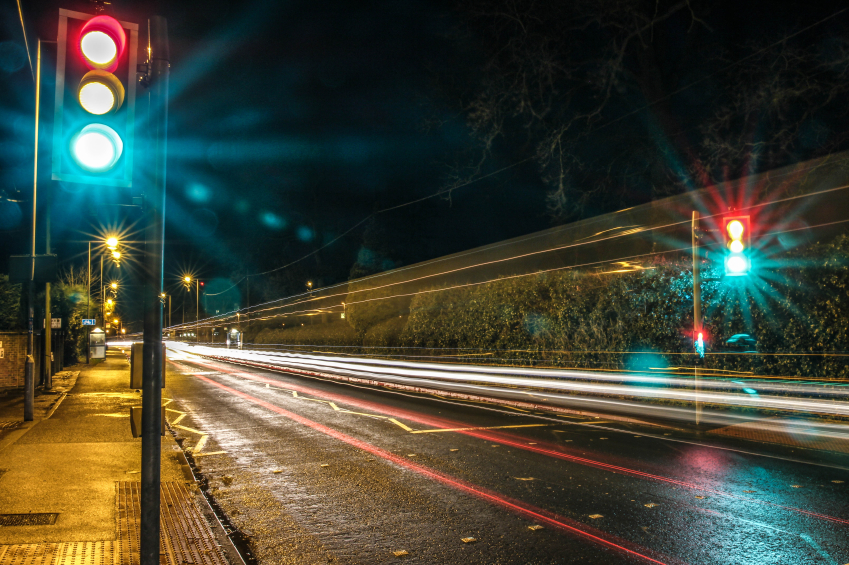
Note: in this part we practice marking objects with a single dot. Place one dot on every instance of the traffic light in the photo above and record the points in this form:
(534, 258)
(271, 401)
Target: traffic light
(737, 232)
(94, 113)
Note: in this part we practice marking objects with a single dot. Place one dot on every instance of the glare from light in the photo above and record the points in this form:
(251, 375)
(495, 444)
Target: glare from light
(735, 229)
(112, 242)
(96, 148)
(115, 321)
(98, 48)
(96, 98)
(736, 246)
(114, 285)
(116, 254)
(187, 279)
(737, 264)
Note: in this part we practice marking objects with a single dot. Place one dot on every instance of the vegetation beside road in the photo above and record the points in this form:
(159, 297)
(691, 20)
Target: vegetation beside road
(798, 312)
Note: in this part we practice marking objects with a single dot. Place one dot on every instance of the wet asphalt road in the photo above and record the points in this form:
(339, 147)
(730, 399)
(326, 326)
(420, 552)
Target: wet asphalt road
(319, 472)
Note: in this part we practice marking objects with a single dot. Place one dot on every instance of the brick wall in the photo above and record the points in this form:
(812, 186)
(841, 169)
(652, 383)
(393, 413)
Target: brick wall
(12, 364)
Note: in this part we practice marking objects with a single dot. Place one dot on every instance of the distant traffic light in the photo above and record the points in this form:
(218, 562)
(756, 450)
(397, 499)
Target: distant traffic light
(94, 115)
(737, 233)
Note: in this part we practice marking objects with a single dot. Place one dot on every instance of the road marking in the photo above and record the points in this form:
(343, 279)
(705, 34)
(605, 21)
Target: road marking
(405, 427)
(818, 549)
(192, 430)
(364, 414)
(514, 408)
(479, 428)
(199, 445)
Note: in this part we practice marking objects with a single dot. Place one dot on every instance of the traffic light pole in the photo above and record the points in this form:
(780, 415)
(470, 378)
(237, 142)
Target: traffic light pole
(697, 309)
(154, 248)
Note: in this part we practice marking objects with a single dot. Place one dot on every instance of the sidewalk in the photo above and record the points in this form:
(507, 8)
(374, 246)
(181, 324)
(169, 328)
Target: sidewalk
(69, 481)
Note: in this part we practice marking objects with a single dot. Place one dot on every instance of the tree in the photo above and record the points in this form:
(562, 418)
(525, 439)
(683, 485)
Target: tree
(11, 317)
(622, 101)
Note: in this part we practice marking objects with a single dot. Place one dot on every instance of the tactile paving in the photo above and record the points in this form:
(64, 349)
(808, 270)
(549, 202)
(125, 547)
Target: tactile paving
(184, 536)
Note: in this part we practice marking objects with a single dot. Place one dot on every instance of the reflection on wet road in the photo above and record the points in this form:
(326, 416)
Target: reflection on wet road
(322, 472)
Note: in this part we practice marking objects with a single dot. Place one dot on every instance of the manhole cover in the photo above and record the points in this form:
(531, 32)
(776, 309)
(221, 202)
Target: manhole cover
(28, 519)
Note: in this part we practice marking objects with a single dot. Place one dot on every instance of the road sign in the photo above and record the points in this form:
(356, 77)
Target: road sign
(89, 322)
(56, 323)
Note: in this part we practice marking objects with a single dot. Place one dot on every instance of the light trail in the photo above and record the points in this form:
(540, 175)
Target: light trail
(521, 508)
(505, 438)
(553, 384)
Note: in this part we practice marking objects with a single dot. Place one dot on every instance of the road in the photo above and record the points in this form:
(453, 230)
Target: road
(313, 471)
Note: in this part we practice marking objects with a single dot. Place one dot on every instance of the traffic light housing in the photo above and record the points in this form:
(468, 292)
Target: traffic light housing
(737, 233)
(94, 113)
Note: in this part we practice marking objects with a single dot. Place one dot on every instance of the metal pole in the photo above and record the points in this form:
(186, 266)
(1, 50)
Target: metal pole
(697, 308)
(88, 310)
(29, 372)
(197, 308)
(154, 250)
(48, 317)
(102, 296)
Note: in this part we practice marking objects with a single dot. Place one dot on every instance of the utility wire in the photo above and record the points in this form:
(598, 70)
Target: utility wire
(611, 122)
(373, 214)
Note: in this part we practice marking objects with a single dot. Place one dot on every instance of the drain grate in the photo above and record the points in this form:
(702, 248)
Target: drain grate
(10, 425)
(28, 519)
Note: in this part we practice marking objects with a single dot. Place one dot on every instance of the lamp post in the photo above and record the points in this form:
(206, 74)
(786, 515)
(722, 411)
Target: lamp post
(112, 245)
(168, 296)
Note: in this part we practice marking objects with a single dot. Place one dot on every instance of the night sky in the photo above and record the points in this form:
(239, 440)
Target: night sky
(293, 122)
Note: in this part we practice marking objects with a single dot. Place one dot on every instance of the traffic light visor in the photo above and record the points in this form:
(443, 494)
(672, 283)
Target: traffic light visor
(96, 148)
(102, 42)
(100, 92)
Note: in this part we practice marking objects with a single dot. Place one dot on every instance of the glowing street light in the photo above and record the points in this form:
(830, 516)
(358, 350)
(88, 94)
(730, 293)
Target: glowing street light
(116, 255)
(113, 285)
(112, 242)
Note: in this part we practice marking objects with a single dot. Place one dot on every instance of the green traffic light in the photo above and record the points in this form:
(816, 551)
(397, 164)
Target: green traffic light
(96, 148)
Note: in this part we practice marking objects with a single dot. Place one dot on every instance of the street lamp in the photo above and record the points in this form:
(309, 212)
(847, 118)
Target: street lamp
(168, 296)
(111, 243)
(187, 282)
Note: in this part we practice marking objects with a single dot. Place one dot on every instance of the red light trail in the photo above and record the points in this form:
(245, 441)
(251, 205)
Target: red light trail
(526, 510)
(511, 440)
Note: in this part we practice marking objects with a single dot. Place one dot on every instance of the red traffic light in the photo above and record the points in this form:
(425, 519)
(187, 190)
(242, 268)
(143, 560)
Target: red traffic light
(102, 42)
